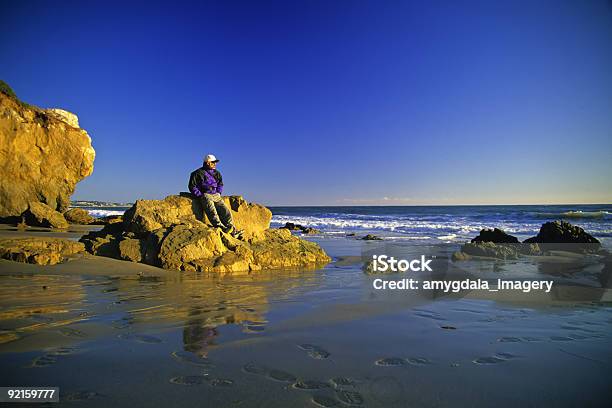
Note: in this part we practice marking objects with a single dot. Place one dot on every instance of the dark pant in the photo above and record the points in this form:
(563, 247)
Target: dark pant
(216, 210)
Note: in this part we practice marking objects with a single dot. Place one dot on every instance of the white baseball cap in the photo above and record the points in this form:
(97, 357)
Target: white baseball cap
(211, 158)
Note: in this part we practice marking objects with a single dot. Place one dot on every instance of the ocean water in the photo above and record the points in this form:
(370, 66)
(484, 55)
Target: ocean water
(431, 224)
(434, 224)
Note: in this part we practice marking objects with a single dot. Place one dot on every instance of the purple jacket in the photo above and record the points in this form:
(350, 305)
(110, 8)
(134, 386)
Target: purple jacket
(205, 181)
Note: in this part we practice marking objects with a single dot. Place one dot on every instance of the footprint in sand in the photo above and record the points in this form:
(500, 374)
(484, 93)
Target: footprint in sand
(43, 361)
(141, 338)
(281, 376)
(69, 332)
(122, 323)
(325, 401)
(428, 314)
(418, 361)
(83, 395)
(62, 351)
(350, 397)
(311, 385)
(314, 351)
(531, 339)
(219, 382)
(339, 382)
(188, 380)
(509, 340)
(190, 358)
(561, 338)
(495, 359)
(391, 362)
(254, 368)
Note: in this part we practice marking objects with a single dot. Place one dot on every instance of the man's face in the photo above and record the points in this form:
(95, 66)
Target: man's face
(210, 164)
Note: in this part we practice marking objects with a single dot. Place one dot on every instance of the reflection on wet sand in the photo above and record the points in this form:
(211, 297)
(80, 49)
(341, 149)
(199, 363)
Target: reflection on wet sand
(309, 338)
(53, 305)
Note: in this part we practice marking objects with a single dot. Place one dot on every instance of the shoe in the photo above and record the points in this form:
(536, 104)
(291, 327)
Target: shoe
(227, 230)
(238, 234)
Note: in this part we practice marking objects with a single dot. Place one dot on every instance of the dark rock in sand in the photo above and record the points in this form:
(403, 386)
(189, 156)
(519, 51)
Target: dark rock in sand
(78, 216)
(495, 235)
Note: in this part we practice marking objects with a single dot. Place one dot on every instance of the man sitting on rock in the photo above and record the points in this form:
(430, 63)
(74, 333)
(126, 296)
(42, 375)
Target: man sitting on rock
(206, 183)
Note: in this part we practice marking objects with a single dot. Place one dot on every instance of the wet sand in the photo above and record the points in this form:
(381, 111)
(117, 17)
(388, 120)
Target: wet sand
(110, 332)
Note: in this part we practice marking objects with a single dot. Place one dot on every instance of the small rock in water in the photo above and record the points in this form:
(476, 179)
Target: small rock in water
(371, 237)
(391, 362)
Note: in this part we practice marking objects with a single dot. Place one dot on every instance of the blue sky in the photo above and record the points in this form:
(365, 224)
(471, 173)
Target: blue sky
(329, 102)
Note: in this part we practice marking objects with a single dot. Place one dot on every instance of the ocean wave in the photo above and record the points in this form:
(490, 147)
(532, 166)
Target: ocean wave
(573, 214)
(452, 229)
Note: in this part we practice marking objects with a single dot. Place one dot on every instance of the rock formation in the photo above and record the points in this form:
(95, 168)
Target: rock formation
(39, 250)
(173, 233)
(556, 235)
(42, 215)
(43, 154)
(495, 235)
(562, 232)
(78, 216)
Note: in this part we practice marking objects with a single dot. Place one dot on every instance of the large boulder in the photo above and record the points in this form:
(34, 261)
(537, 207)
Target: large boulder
(173, 233)
(562, 232)
(495, 235)
(41, 215)
(39, 250)
(43, 154)
(78, 216)
(146, 216)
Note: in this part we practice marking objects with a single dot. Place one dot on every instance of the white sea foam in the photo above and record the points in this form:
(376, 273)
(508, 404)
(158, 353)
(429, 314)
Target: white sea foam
(584, 214)
(573, 214)
(454, 229)
(104, 213)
